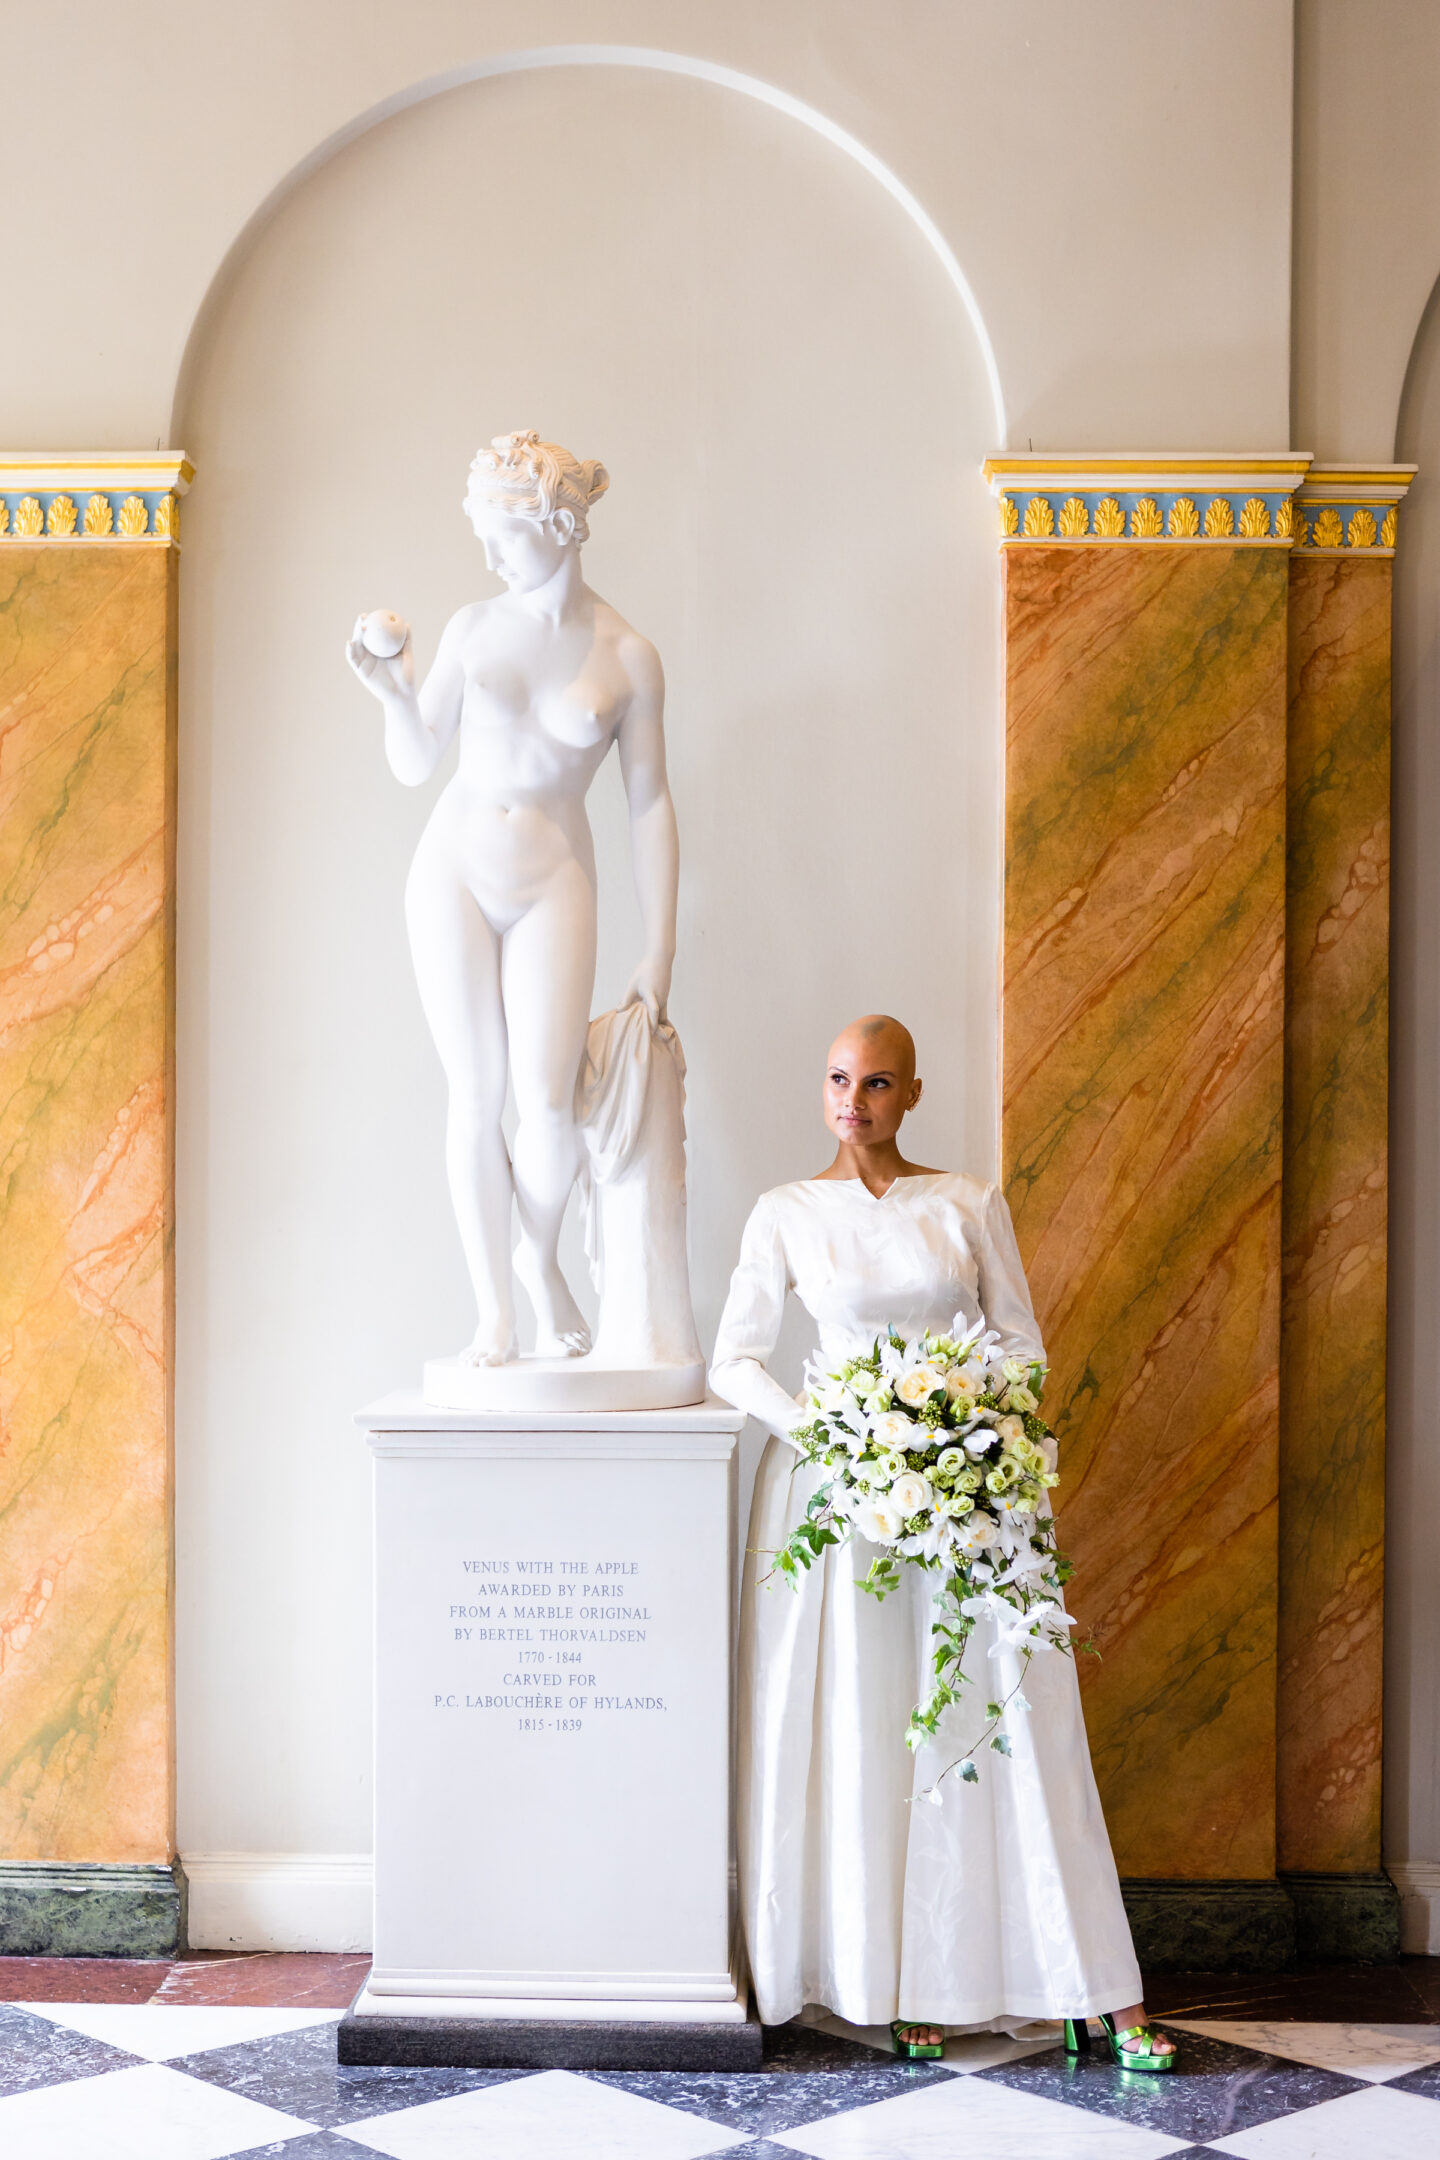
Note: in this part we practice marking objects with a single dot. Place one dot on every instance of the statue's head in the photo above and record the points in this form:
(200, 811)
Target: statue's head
(528, 502)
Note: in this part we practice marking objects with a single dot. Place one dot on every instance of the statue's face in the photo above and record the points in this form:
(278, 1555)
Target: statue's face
(869, 1084)
(522, 551)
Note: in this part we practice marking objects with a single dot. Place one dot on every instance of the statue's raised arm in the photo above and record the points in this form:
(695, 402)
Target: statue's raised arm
(501, 910)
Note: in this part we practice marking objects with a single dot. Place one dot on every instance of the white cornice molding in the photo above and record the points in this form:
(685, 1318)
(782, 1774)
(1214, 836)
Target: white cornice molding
(92, 497)
(1146, 498)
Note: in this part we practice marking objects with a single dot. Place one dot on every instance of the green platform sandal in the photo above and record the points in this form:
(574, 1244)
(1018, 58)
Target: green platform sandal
(913, 2050)
(1077, 2042)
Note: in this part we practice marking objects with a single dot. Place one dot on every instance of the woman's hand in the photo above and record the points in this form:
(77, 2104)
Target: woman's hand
(383, 678)
(650, 987)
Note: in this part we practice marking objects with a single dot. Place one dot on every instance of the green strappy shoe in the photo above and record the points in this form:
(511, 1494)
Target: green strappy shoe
(1143, 2057)
(915, 2050)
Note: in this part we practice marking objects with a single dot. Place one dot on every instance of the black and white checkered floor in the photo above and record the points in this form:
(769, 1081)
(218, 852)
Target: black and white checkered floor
(150, 2081)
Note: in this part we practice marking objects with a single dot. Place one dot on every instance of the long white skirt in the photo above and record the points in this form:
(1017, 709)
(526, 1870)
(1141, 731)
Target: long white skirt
(1001, 1905)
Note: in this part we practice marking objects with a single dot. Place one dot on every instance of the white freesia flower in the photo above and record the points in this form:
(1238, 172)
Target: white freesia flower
(875, 1518)
(911, 1492)
(919, 1384)
(834, 1396)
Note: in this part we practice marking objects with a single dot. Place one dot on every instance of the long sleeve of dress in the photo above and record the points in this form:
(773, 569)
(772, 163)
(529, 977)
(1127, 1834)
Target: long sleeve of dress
(1004, 1292)
(750, 1326)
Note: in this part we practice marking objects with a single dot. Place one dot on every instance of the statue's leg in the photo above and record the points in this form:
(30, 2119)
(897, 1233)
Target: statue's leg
(549, 974)
(457, 968)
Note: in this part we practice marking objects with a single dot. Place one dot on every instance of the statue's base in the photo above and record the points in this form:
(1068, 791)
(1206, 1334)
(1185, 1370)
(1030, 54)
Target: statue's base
(539, 1384)
(463, 2034)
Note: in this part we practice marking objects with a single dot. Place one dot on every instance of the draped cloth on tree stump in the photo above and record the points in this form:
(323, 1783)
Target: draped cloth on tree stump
(630, 1103)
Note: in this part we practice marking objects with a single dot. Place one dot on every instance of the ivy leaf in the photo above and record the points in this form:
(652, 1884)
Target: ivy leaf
(1001, 1743)
(969, 1772)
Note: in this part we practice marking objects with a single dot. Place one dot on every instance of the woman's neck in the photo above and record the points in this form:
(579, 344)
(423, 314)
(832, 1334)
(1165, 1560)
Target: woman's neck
(875, 1167)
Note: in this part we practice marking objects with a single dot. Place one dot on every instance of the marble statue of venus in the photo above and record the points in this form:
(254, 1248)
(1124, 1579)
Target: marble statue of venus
(500, 904)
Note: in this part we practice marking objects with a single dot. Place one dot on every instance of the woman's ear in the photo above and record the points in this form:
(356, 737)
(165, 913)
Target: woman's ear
(916, 1091)
(562, 524)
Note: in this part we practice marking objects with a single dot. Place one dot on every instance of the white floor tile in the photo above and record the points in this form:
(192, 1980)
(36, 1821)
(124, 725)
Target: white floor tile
(1373, 2052)
(551, 2112)
(968, 2116)
(1373, 2125)
(162, 2032)
(148, 2113)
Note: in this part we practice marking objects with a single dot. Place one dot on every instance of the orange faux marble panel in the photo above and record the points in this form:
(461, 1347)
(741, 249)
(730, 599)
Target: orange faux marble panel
(1332, 1422)
(1142, 1104)
(86, 838)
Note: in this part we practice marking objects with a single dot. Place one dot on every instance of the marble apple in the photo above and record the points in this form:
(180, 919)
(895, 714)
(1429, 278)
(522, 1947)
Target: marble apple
(540, 684)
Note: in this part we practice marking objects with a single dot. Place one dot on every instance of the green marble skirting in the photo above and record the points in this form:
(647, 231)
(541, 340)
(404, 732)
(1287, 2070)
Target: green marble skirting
(1263, 1925)
(1210, 1926)
(1345, 1919)
(90, 1909)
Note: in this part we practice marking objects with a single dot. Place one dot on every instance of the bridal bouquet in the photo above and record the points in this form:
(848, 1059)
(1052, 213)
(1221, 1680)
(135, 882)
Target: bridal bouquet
(935, 1451)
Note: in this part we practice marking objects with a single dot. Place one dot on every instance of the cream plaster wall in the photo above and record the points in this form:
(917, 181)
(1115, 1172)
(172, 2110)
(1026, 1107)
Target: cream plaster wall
(1114, 178)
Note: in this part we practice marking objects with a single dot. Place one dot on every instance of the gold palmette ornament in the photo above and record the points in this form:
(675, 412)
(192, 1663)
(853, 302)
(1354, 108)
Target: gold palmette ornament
(1039, 518)
(1362, 529)
(1219, 518)
(1109, 519)
(134, 518)
(1145, 519)
(1074, 518)
(99, 517)
(1184, 519)
(61, 522)
(29, 518)
(1254, 519)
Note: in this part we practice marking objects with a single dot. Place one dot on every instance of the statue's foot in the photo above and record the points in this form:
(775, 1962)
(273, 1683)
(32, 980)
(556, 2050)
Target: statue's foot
(560, 1328)
(492, 1345)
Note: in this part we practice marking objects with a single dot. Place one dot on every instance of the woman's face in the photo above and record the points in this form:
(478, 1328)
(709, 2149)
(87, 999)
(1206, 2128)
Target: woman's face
(869, 1085)
(522, 551)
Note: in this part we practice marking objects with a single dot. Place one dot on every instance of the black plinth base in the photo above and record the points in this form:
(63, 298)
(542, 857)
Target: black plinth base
(444, 2043)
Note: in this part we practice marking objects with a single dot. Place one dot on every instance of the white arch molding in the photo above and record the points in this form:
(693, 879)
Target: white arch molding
(618, 56)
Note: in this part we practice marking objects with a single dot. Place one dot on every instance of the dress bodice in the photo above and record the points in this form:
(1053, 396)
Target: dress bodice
(928, 1249)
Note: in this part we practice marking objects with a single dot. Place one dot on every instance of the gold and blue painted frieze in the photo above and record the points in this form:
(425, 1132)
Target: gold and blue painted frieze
(1343, 509)
(70, 497)
(1147, 501)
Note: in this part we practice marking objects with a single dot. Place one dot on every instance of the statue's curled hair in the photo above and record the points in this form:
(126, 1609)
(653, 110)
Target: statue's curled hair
(529, 478)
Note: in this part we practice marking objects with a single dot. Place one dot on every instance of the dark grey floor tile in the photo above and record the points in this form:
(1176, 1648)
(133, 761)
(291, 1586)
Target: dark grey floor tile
(763, 2104)
(297, 2073)
(805, 2047)
(1426, 2082)
(33, 2052)
(318, 2145)
(1214, 2090)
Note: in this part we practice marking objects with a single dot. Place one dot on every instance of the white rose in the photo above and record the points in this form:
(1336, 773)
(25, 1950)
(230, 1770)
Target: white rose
(961, 1386)
(918, 1385)
(892, 1430)
(978, 1532)
(877, 1520)
(910, 1493)
(1010, 1429)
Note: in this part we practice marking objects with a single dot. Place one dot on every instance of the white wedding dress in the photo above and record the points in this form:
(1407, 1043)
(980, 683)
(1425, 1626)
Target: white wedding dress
(1002, 1904)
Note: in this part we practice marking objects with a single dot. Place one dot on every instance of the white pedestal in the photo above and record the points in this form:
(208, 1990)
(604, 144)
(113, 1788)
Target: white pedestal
(553, 1621)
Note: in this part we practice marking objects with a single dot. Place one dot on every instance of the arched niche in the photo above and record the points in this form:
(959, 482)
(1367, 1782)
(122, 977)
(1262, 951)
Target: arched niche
(1412, 1589)
(793, 402)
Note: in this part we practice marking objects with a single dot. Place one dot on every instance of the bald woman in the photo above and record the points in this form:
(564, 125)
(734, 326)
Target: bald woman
(1002, 1905)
